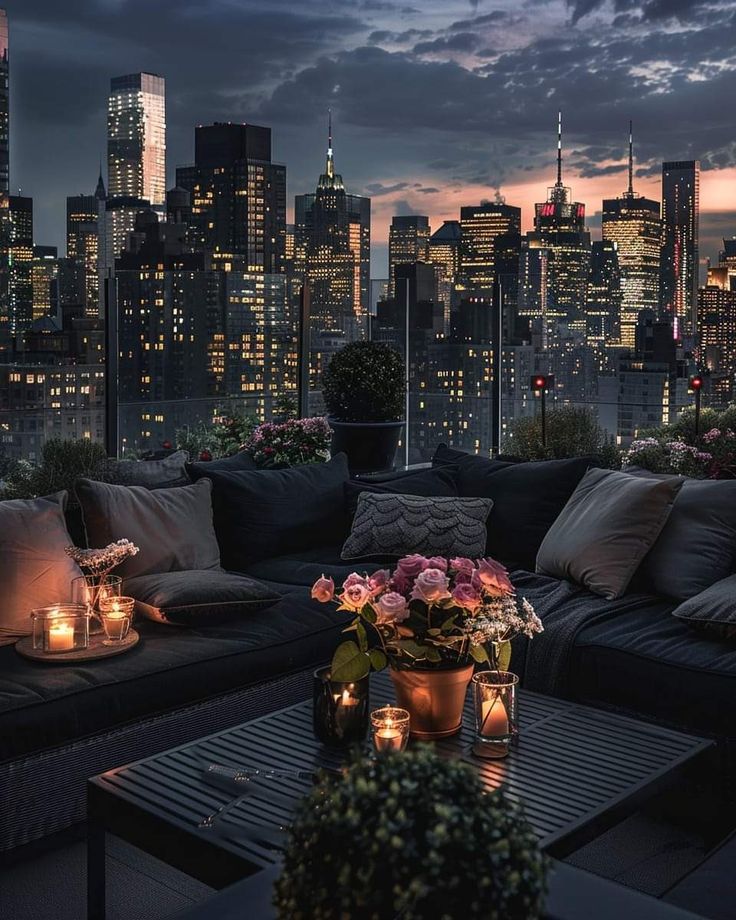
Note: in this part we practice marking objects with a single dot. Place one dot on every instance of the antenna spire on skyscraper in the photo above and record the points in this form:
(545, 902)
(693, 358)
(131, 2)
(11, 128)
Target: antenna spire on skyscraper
(559, 149)
(330, 158)
(631, 158)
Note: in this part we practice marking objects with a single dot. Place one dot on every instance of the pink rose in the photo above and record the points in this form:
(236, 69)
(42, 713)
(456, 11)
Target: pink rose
(431, 586)
(354, 579)
(391, 608)
(466, 596)
(378, 581)
(411, 566)
(493, 578)
(323, 590)
(437, 562)
(462, 565)
(356, 596)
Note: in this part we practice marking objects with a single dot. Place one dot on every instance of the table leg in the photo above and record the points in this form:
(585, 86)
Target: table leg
(95, 872)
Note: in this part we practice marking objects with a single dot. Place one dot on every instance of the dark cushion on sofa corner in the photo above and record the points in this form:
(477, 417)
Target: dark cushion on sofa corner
(697, 546)
(151, 474)
(527, 498)
(605, 530)
(198, 598)
(440, 481)
(172, 528)
(266, 513)
(712, 610)
(233, 464)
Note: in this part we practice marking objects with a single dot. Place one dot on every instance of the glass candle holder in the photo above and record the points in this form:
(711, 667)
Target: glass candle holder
(60, 628)
(390, 729)
(92, 589)
(116, 614)
(496, 723)
(340, 712)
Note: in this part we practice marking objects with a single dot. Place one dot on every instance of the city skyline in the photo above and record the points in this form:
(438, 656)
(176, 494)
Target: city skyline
(440, 163)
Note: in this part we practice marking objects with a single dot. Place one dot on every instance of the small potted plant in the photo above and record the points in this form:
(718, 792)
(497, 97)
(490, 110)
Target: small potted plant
(431, 621)
(364, 392)
(410, 835)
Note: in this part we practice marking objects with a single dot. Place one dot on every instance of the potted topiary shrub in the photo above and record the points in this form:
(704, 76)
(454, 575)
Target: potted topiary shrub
(410, 835)
(364, 390)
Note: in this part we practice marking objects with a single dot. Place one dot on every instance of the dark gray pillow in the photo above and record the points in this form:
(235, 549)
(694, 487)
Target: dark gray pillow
(34, 569)
(604, 531)
(713, 610)
(151, 474)
(201, 598)
(172, 527)
(697, 546)
(233, 464)
(397, 525)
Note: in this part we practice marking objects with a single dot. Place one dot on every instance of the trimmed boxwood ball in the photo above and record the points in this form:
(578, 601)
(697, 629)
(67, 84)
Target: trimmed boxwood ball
(410, 835)
(364, 382)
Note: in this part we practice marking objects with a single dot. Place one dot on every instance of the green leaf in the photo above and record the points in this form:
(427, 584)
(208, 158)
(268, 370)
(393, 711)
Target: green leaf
(432, 654)
(434, 632)
(478, 653)
(362, 637)
(368, 613)
(502, 655)
(449, 623)
(412, 648)
(349, 663)
(378, 659)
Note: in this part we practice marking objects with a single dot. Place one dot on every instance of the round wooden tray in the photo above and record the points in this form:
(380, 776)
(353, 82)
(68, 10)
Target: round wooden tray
(94, 651)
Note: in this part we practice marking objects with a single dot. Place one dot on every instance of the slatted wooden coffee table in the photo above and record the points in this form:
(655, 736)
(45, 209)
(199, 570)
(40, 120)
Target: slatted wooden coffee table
(577, 770)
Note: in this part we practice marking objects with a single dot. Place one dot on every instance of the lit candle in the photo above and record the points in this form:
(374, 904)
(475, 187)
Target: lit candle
(115, 613)
(494, 719)
(61, 637)
(388, 738)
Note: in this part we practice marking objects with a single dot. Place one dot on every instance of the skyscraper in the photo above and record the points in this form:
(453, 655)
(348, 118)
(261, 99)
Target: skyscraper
(20, 272)
(717, 326)
(603, 311)
(332, 237)
(487, 231)
(83, 215)
(136, 138)
(4, 106)
(678, 286)
(237, 197)
(559, 227)
(408, 241)
(633, 224)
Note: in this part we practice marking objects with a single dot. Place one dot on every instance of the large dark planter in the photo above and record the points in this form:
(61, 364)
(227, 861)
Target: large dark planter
(371, 446)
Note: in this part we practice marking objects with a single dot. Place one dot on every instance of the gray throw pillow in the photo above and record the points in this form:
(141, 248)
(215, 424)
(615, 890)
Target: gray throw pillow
(34, 569)
(604, 531)
(152, 474)
(397, 525)
(172, 527)
(198, 598)
(697, 546)
(713, 610)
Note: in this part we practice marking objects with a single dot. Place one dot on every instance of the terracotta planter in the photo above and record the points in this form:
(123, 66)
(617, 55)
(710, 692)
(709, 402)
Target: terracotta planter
(435, 699)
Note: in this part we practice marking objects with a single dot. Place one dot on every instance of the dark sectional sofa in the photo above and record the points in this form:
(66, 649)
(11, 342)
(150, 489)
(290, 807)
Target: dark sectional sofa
(59, 725)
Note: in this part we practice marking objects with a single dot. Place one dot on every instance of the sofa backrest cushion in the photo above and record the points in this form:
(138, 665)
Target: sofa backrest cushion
(527, 498)
(234, 464)
(713, 611)
(173, 528)
(34, 568)
(424, 482)
(697, 546)
(268, 513)
(152, 474)
(610, 523)
(399, 525)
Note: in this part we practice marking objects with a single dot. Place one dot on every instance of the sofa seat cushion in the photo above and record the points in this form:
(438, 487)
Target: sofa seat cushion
(306, 566)
(650, 664)
(198, 598)
(42, 706)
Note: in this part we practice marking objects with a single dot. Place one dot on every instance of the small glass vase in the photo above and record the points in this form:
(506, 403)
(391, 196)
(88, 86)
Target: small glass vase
(92, 590)
(60, 628)
(116, 614)
(496, 719)
(391, 728)
(341, 709)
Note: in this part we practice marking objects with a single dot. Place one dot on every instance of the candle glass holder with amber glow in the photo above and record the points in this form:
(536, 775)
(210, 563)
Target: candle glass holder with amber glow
(496, 721)
(340, 709)
(390, 729)
(60, 628)
(116, 614)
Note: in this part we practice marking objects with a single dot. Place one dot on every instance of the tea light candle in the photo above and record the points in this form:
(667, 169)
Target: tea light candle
(388, 739)
(115, 613)
(61, 637)
(390, 729)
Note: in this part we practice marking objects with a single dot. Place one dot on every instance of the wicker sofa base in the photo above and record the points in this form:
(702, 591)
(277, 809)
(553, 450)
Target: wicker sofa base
(46, 792)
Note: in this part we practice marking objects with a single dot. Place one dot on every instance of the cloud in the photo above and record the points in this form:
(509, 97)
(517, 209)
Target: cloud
(461, 41)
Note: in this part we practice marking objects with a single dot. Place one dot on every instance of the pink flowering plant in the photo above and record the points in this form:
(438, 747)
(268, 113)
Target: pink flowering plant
(305, 440)
(428, 613)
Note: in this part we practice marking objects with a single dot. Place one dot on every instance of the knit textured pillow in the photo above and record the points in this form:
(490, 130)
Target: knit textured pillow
(397, 525)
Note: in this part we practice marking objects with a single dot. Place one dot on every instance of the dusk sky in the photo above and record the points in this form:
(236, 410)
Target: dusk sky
(436, 103)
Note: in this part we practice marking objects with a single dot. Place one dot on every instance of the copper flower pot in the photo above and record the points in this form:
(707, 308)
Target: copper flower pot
(435, 699)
